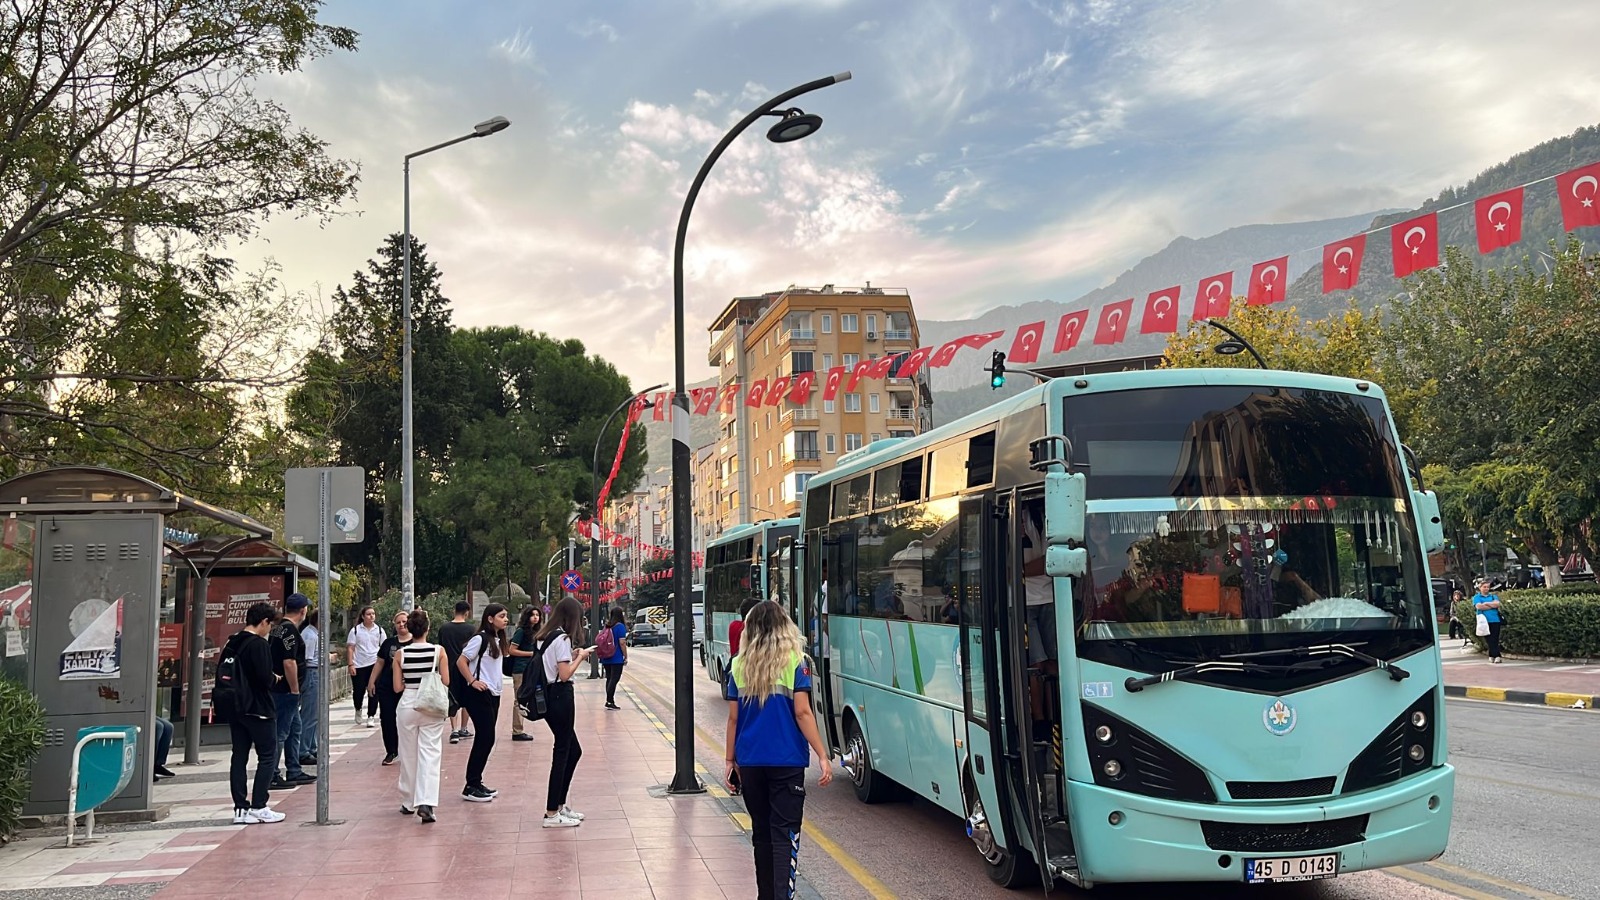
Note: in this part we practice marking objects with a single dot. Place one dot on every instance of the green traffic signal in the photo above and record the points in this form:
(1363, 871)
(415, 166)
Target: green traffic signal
(997, 370)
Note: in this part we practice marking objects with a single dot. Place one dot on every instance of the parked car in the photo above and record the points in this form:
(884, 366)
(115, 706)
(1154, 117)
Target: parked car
(699, 624)
(649, 627)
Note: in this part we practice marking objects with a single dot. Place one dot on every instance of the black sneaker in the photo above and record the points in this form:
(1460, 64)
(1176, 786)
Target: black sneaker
(455, 737)
(476, 795)
(304, 778)
(425, 813)
(612, 706)
(406, 810)
(389, 759)
(522, 737)
(280, 784)
(164, 772)
(308, 760)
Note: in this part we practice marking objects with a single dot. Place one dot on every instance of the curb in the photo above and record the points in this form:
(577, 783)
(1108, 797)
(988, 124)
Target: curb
(1532, 698)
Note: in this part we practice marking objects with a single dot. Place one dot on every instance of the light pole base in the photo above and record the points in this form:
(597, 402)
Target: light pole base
(686, 784)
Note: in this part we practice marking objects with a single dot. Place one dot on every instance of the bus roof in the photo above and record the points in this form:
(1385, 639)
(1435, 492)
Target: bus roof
(753, 529)
(1051, 392)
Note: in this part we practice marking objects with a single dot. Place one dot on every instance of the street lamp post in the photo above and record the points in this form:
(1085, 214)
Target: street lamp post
(594, 523)
(793, 124)
(408, 546)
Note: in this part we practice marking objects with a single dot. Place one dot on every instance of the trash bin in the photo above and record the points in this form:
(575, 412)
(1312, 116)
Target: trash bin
(103, 762)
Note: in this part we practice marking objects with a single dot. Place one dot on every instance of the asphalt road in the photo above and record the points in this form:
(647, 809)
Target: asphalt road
(1527, 794)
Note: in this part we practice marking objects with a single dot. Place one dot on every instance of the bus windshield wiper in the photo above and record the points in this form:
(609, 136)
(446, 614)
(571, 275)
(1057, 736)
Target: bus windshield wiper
(1135, 685)
(1395, 672)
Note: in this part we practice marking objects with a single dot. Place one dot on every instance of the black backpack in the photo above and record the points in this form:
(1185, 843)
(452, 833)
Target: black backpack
(227, 694)
(531, 698)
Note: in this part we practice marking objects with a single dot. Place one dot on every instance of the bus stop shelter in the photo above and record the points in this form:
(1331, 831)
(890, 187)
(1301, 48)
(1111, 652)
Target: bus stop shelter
(83, 557)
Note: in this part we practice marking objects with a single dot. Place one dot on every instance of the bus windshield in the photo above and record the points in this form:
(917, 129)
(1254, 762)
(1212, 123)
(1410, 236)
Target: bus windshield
(1229, 519)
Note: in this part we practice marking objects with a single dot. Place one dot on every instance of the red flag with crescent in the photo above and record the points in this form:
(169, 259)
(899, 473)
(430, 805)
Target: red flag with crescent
(858, 372)
(1268, 282)
(730, 397)
(946, 354)
(1213, 297)
(1579, 191)
(663, 402)
(830, 387)
(800, 387)
(1161, 312)
(1499, 218)
(704, 399)
(1113, 325)
(1341, 263)
(755, 392)
(1069, 329)
(1416, 244)
(913, 361)
(1025, 346)
(880, 367)
(777, 389)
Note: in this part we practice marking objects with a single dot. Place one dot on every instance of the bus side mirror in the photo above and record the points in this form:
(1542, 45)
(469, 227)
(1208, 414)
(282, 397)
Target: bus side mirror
(1066, 562)
(1426, 504)
(1065, 507)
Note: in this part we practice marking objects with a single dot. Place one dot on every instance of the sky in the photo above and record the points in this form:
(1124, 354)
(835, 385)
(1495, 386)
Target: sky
(982, 154)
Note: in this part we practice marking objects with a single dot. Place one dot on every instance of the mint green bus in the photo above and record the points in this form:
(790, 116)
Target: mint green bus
(1159, 626)
(754, 561)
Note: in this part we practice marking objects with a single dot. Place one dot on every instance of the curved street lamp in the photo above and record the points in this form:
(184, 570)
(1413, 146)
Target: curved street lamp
(594, 523)
(793, 124)
(1235, 344)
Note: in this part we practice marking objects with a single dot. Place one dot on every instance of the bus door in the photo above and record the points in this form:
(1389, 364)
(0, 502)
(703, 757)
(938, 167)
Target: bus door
(811, 594)
(1024, 748)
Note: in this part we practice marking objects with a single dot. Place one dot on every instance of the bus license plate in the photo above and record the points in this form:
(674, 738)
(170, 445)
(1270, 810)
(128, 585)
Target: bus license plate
(1291, 868)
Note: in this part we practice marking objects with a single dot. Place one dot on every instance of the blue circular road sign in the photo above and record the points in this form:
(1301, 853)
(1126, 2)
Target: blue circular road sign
(571, 580)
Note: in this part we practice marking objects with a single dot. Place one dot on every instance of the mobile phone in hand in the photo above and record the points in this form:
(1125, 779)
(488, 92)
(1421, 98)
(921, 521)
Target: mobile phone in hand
(735, 785)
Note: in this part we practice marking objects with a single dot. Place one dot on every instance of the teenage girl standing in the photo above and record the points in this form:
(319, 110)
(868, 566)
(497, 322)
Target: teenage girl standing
(560, 660)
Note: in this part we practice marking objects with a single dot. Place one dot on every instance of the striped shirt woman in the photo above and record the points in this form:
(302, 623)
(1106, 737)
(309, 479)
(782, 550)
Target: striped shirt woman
(421, 734)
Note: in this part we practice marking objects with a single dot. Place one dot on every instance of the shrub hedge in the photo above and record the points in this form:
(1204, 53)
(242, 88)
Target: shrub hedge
(21, 736)
(1543, 622)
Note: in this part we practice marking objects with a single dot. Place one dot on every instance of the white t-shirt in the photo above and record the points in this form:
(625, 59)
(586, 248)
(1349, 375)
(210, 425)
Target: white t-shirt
(366, 641)
(559, 651)
(1038, 590)
(489, 673)
(313, 642)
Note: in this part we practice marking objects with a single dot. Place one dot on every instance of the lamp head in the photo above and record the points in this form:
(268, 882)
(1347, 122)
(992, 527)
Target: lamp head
(1229, 347)
(490, 126)
(794, 125)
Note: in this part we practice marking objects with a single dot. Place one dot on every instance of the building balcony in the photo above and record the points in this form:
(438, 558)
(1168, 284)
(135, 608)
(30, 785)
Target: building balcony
(897, 334)
(802, 414)
(798, 336)
(901, 415)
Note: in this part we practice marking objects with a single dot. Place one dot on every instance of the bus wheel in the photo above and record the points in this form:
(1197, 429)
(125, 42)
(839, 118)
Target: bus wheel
(870, 786)
(1006, 868)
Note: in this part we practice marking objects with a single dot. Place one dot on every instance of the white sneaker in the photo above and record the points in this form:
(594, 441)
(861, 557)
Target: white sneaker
(571, 813)
(265, 814)
(242, 817)
(560, 820)
(361, 719)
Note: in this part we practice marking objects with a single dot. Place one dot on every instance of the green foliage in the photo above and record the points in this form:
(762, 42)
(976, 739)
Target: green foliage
(1344, 344)
(1558, 623)
(21, 737)
(651, 593)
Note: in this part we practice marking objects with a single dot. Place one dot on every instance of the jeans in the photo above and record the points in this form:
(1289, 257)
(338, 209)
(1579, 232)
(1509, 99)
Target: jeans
(484, 708)
(613, 675)
(289, 733)
(310, 709)
(562, 706)
(388, 705)
(776, 798)
(517, 724)
(1041, 620)
(163, 741)
(421, 748)
(358, 690)
(248, 732)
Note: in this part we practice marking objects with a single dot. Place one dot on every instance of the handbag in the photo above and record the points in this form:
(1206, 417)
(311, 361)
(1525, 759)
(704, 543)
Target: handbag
(1483, 625)
(433, 699)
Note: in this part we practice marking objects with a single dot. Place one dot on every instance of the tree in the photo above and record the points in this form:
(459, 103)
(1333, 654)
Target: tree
(1344, 344)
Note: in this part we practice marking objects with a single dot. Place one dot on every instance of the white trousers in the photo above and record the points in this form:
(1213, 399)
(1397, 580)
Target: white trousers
(421, 750)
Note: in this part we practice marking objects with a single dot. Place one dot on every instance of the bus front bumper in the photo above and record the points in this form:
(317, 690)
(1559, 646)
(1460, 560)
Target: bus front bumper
(1163, 840)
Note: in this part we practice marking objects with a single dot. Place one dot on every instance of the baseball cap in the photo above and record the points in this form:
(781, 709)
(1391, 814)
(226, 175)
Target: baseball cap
(296, 601)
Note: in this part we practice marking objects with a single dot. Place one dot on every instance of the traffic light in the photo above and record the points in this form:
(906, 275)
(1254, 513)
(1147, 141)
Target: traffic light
(578, 554)
(997, 370)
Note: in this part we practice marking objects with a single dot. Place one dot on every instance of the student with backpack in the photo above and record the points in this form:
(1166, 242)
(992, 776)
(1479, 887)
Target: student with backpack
(483, 679)
(611, 645)
(242, 696)
(518, 665)
(559, 660)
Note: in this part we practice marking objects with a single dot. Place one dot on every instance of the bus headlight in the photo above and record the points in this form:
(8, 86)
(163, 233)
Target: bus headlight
(1112, 768)
(1103, 734)
(1416, 753)
(1419, 720)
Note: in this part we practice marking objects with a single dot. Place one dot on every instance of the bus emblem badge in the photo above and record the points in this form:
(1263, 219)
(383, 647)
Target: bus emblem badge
(1279, 717)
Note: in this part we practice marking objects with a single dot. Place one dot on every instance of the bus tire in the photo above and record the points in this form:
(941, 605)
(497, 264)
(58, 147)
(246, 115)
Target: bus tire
(871, 786)
(1007, 868)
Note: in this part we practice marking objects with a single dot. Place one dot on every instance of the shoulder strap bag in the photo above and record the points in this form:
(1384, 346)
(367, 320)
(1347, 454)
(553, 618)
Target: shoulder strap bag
(433, 699)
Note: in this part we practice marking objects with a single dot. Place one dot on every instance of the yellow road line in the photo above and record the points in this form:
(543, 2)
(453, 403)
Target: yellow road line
(1483, 693)
(1449, 887)
(1497, 882)
(875, 888)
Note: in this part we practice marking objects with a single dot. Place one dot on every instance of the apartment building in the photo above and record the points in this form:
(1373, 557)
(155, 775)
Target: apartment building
(763, 456)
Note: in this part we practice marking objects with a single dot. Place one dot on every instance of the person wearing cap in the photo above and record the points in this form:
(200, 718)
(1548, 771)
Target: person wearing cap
(289, 664)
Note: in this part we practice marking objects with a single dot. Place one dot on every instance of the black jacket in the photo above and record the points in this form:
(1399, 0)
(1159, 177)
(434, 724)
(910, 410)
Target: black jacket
(255, 676)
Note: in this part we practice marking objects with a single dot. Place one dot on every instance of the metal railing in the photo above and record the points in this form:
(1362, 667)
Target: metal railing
(905, 415)
(897, 334)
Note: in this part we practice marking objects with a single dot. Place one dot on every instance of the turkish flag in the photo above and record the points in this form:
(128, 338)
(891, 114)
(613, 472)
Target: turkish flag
(1113, 325)
(946, 354)
(662, 402)
(913, 361)
(1341, 263)
(859, 371)
(800, 388)
(1025, 346)
(703, 399)
(1211, 301)
(1499, 219)
(880, 367)
(1161, 312)
(730, 397)
(1268, 282)
(1069, 329)
(979, 340)
(755, 392)
(1579, 191)
(830, 387)
(1416, 244)
(778, 388)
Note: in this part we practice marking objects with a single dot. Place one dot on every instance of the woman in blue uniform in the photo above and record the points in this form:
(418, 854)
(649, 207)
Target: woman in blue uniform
(770, 725)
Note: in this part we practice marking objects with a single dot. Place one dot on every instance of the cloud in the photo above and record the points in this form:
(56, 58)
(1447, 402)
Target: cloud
(517, 49)
(596, 28)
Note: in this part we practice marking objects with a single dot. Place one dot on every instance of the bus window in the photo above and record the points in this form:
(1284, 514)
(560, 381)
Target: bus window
(980, 460)
(949, 469)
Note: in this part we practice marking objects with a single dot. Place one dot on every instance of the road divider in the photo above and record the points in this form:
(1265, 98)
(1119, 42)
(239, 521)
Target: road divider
(1533, 698)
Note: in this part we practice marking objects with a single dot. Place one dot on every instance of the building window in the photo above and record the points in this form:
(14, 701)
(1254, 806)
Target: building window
(800, 361)
(847, 323)
(755, 430)
(827, 323)
(850, 360)
(769, 497)
(757, 470)
(801, 479)
(872, 403)
(769, 459)
(852, 403)
(827, 407)
(769, 420)
(875, 438)
(805, 445)
(872, 323)
(827, 361)
(852, 442)
(827, 443)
